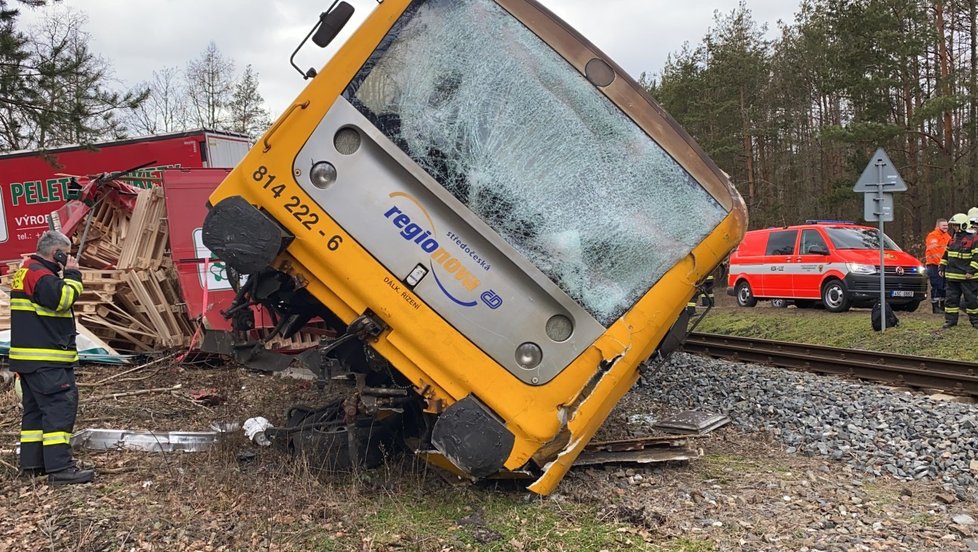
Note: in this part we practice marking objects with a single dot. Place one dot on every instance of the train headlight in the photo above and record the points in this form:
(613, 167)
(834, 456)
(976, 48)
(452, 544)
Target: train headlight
(322, 174)
(559, 328)
(529, 355)
(347, 141)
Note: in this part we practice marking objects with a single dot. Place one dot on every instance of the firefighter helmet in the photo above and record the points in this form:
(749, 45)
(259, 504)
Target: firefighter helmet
(959, 219)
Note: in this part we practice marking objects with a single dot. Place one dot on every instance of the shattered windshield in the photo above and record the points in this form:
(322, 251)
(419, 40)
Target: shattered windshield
(521, 138)
(859, 238)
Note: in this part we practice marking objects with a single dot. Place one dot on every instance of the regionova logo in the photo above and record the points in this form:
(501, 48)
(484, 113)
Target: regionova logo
(445, 266)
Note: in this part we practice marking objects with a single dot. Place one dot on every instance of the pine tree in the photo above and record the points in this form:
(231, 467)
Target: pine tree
(53, 89)
(247, 108)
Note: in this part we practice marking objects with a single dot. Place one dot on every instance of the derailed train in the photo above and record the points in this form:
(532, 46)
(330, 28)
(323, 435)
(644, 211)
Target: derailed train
(500, 226)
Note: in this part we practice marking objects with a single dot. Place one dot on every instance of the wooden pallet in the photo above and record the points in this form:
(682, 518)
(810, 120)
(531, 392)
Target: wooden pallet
(107, 231)
(148, 232)
(145, 297)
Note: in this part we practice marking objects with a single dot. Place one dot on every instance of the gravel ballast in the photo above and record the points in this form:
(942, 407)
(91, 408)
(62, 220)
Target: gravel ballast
(870, 427)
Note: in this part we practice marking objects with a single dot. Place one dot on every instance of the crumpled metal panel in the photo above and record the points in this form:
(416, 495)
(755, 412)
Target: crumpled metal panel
(692, 421)
(643, 450)
(173, 441)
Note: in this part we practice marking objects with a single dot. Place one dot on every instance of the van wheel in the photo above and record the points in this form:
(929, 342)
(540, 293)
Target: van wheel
(835, 296)
(745, 296)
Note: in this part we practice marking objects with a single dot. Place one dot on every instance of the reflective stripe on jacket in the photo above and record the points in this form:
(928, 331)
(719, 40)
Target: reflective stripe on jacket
(959, 258)
(42, 323)
(935, 244)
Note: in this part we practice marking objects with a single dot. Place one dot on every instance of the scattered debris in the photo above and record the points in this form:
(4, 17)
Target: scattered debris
(173, 441)
(246, 456)
(225, 427)
(693, 422)
(644, 450)
(134, 393)
(254, 429)
(207, 397)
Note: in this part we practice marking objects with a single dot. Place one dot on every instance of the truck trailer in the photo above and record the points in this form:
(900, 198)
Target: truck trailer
(35, 183)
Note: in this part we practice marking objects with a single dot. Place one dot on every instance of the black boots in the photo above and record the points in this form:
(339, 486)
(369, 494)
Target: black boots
(31, 473)
(937, 307)
(71, 476)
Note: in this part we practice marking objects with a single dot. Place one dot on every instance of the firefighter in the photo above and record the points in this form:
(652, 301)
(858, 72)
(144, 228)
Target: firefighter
(960, 267)
(706, 298)
(43, 352)
(935, 244)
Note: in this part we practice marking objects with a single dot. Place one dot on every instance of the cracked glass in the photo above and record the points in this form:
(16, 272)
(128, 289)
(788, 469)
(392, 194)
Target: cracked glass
(529, 145)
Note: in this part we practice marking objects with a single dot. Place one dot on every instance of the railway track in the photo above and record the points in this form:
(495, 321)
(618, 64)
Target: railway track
(949, 376)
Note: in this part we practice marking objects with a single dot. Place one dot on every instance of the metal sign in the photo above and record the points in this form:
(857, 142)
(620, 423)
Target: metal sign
(878, 182)
(873, 208)
(880, 169)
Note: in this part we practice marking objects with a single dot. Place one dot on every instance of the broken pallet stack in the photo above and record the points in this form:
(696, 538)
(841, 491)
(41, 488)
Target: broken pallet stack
(132, 299)
(138, 306)
(131, 296)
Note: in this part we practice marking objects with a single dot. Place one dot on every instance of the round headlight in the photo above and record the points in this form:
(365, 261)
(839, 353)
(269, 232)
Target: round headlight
(347, 141)
(322, 174)
(529, 355)
(559, 328)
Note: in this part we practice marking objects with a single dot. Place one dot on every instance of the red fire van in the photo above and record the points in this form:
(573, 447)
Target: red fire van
(836, 264)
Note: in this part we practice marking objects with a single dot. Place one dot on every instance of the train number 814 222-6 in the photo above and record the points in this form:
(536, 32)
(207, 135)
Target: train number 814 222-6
(299, 210)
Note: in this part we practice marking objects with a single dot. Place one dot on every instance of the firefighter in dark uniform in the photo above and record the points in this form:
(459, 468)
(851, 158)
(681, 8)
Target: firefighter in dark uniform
(707, 297)
(960, 267)
(43, 352)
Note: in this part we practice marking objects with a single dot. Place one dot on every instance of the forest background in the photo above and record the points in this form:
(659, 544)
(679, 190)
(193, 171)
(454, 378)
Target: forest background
(794, 120)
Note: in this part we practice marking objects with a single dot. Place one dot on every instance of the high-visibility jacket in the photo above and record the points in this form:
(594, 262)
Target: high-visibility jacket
(42, 322)
(935, 244)
(961, 256)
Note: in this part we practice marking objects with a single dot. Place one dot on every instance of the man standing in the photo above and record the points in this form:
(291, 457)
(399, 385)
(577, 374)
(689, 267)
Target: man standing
(935, 244)
(960, 269)
(43, 352)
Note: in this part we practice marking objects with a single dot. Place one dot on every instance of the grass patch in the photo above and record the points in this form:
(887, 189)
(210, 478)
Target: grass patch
(489, 520)
(917, 334)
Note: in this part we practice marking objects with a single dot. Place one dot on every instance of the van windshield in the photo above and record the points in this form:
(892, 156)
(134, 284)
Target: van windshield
(859, 238)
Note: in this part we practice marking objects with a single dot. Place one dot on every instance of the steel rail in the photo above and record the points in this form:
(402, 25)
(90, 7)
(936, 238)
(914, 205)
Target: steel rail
(950, 376)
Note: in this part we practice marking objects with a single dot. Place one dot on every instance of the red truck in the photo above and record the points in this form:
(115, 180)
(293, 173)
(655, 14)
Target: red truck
(33, 184)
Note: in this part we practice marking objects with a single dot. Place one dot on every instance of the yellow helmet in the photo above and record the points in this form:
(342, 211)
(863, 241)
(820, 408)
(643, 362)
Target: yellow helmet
(960, 219)
(973, 213)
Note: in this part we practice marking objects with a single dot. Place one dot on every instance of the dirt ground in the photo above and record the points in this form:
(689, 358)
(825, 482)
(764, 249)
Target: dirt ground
(745, 493)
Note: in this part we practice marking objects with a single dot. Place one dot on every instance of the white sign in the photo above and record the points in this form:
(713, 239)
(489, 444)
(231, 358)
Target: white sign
(214, 271)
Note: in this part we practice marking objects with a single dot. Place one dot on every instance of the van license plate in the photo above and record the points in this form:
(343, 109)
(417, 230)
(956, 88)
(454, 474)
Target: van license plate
(901, 294)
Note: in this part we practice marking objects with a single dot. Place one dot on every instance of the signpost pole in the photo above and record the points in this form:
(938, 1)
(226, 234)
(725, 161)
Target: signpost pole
(878, 181)
(880, 207)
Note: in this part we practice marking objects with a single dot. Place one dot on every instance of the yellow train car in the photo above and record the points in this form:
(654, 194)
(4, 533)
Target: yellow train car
(499, 224)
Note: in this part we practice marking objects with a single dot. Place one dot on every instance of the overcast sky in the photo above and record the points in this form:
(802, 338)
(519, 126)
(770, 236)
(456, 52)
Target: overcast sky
(138, 37)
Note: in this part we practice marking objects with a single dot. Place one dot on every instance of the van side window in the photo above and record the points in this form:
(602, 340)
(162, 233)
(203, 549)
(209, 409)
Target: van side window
(810, 238)
(782, 243)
